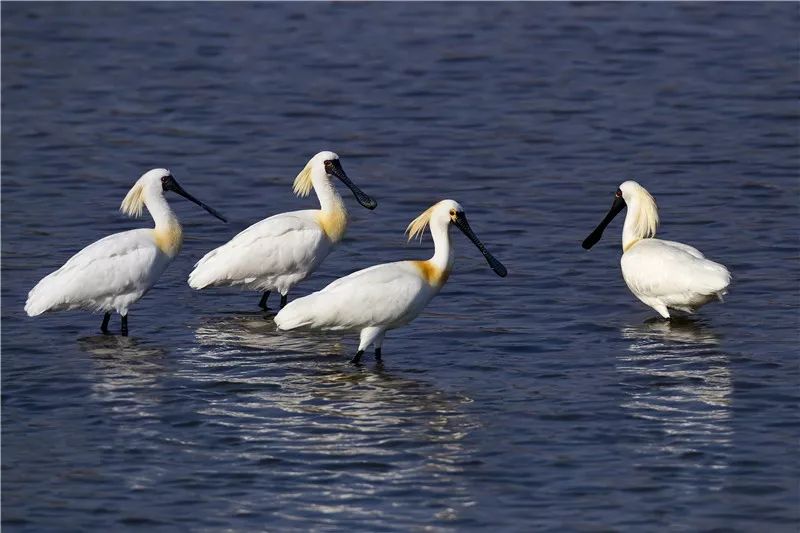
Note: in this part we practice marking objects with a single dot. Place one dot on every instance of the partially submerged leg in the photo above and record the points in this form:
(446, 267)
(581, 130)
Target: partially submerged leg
(104, 325)
(368, 336)
(378, 343)
(263, 303)
(125, 325)
(356, 360)
(284, 299)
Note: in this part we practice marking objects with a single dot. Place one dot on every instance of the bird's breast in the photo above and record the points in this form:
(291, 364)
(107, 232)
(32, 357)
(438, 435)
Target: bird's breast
(333, 224)
(432, 274)
(169, 239)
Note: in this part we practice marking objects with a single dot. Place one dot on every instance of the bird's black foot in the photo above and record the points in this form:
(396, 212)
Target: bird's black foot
(378, 354)
(263, 302)
(284, 299)
(124, 325)
(104, 325)
(356, 360)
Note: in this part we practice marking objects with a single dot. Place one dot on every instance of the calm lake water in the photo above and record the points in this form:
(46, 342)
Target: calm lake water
(548, 400)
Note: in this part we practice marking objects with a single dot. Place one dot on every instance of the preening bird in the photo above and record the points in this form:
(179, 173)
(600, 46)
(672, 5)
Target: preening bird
(662, 274)
(389, 295)
(282, 250)
(116, 271)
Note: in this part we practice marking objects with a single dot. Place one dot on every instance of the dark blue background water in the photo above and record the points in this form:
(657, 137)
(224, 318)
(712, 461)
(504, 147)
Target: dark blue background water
(543, 401)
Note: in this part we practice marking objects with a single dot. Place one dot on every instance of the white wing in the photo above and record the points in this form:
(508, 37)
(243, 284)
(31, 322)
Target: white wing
(281, 244)
(659, 269)
(126, 263)
(390, 294)
(685, 247)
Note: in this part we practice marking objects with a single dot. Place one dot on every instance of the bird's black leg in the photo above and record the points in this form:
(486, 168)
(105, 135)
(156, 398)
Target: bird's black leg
(357, 358)
(378, 354)
(104, 325)
(263, 303)
(124, 325)
(284, 299)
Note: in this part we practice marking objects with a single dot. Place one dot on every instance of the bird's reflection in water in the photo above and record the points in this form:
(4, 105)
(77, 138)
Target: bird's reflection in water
(345, 434)
(127, 371)
(679, 383)
(124, 361)
(128, 382)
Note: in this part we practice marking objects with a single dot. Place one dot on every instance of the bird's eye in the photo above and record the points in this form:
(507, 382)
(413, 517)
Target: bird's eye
(452, 212)
(618, 194)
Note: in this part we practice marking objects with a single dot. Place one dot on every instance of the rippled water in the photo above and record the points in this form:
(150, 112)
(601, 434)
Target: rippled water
(548, 400)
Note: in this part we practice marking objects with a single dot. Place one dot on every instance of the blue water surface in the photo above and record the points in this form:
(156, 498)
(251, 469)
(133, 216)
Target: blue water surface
(548, 400)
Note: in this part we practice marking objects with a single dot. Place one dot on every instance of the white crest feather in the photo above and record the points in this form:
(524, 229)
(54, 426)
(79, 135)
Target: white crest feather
(302, 183)
(646, 222)
(417, 226)
(133, 204)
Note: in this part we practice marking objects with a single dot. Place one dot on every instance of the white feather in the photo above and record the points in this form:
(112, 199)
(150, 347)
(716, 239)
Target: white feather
(107, 275)
(388, 296)
(280, 251)
(664, 274)
(381, 297)
(275, 253)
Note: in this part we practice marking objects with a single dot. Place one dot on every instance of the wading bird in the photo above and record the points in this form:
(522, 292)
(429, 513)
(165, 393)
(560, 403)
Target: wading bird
(282, 250)
(114, 272)
(390, 295)
(662, 274)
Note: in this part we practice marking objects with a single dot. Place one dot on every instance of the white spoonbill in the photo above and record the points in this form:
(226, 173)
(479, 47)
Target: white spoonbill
(281, 251)
(114, 272)
(390, 295)
(662, 274)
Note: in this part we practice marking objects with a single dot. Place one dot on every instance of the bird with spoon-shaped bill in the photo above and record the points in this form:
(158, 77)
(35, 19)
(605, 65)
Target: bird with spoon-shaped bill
(115, 272)
(387, 296)
(663, 274)
(281, 251)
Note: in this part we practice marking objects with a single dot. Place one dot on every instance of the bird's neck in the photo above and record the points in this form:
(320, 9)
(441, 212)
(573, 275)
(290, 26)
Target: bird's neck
(630, 230)
(437, 269)
(168, 231)
(332, 217)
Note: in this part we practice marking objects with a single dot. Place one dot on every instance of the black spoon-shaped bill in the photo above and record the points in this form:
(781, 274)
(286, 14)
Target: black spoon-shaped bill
(461, 223)
(169, 184)
(594, 237)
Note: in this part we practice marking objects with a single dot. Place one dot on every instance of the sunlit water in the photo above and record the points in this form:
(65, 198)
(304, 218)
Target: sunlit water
(547, 400)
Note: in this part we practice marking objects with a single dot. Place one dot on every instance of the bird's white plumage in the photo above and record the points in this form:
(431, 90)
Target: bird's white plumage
(664, 274)
(275, 253)
(107, 275)
(381, 297)
(116, 271)
(280, 251)
(385, 296)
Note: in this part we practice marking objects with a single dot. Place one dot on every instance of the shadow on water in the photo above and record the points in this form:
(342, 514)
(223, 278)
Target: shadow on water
(678, 384)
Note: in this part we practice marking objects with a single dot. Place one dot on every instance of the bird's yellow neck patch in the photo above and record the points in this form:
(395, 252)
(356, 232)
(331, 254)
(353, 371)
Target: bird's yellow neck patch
(333, 223)
(169, 239)
(431, 273)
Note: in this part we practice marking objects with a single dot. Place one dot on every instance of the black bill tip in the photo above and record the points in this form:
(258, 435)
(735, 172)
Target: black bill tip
(592, 239)
(462, 224)
(497, 266)
(367, 201)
